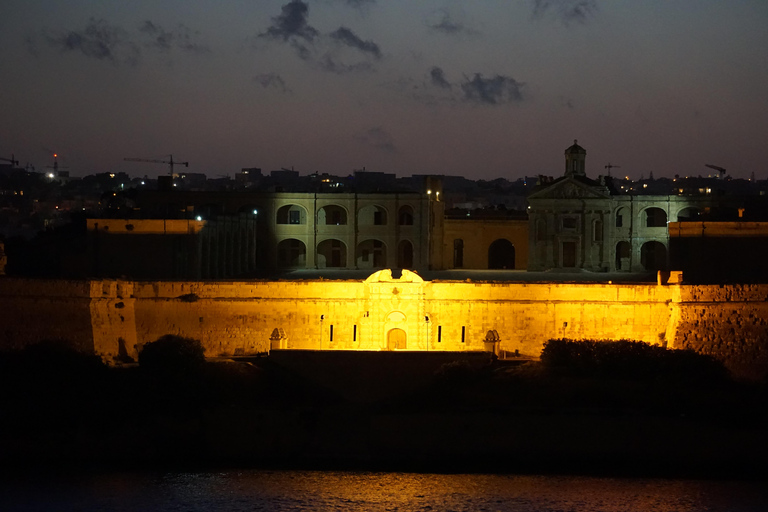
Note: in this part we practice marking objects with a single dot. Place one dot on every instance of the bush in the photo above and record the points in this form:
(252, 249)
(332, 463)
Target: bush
(626, 359)
(172, 354)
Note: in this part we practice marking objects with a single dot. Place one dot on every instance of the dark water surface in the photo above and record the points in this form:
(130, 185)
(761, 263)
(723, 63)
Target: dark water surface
(336, 490)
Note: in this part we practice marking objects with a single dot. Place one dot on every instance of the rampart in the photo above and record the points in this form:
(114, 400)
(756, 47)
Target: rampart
(115, 318)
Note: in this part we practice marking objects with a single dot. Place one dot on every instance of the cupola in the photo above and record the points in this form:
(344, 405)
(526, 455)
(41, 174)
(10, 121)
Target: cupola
(575, 157)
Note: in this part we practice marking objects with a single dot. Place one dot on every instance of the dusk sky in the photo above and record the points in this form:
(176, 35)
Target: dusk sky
(488, 89)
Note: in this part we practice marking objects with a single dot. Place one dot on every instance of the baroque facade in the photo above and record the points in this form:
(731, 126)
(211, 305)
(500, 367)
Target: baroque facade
(576, 222)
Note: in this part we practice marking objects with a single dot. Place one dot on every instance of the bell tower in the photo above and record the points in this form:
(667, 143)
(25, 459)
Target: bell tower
(575, 157)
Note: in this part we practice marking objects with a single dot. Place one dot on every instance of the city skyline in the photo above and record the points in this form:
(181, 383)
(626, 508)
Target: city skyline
(483, 91)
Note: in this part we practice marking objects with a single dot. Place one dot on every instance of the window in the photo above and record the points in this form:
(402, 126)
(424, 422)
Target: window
(354, 333)
(463, 332)
(620, 218)
(569, 223)
(378, 218)
(439, 333)
(294, 217)
(597, 234)
(331, 333)
(458, 253)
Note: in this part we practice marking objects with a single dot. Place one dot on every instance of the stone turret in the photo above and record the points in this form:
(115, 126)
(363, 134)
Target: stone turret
(575, 157)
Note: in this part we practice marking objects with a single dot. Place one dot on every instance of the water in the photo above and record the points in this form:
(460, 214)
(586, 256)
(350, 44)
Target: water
(326, 491)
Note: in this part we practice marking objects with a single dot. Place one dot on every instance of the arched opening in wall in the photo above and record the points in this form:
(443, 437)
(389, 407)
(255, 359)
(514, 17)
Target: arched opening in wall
(332, 215)
(620, 217)
(501, 254)
(291, 214)
(405, 215)
(210, 211)
(541, 230)
(371, 254)
(291, 253)
(689, 214)
(653, 256)
(397, 340)
(623, 250)
(331, 253)
(405, 254)
(458, 253)
(655, 218)
(372, 215)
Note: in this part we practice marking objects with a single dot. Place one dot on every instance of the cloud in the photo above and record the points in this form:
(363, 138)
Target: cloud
(292, 23)
(378, 138)
(445, 23)
(271, 80)
(349, 38)
(359, 3)
(492, 91)
(164, 40)
(98, 40)
(437, 78)
(332, 64)
(567, 11)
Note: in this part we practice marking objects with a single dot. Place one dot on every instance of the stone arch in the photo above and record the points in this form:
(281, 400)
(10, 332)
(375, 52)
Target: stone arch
(331, 253)
(655, 217)
(653, 256)
(623, 254)
(405, 215)
(689, 214)
(291, 253)
(397, 339)
(405, 254)
(332, 215)
(372, 215)
(501, 254)
(371, 253)
(291, 214)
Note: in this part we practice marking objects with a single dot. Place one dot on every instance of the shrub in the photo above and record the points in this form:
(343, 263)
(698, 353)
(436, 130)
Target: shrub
(172, 354)
(626, 359)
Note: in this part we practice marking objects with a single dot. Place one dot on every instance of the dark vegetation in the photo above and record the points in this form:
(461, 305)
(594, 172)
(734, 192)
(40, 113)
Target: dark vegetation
(62, 406)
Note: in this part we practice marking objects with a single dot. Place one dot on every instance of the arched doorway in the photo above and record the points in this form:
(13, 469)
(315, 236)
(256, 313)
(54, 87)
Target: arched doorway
(396, 339)
(623, 250)
(405, 254)
(653, 256)
(501, 254)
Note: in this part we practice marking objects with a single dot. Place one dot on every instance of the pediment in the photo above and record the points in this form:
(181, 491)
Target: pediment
(570, 188)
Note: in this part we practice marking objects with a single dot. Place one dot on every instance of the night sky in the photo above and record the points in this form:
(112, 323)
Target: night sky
(496, 88)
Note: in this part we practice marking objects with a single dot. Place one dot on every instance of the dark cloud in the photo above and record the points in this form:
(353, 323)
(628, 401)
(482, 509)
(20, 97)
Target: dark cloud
(332, 64)
(273, 81)
(437, 78)
(292, 23)
(378, 138)
(568, 11)
(99, 40)
(443, 22)
(164, 40)
(349, 38)
(359, 3)
(492, 91)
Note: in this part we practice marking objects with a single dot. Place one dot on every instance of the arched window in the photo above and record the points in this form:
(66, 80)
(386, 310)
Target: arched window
(291, 253)
(291, 214)
(332, 215)
(620, 217)
(405, 215)
(655, 218)
(622, 255)
(371, 254)
(372, 215)
(689, 214)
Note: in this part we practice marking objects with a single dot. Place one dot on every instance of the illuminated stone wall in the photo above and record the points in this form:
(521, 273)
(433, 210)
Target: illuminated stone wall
(115, 318)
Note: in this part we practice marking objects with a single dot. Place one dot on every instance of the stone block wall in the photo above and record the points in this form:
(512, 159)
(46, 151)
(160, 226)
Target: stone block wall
(114, 319)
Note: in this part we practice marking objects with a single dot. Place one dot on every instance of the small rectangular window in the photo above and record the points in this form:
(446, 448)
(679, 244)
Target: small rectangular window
(331, 334)
(569, 223)
(378, 219)
(463, 332)
(439, 333)
(354, 333)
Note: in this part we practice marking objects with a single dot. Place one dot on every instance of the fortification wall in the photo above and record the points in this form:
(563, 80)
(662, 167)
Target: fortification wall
(115, 318)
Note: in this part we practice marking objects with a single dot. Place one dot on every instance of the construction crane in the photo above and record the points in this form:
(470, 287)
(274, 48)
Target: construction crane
(55, 166)
(12, 160)
(611, 166)
(170, 162)
(717, 168)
